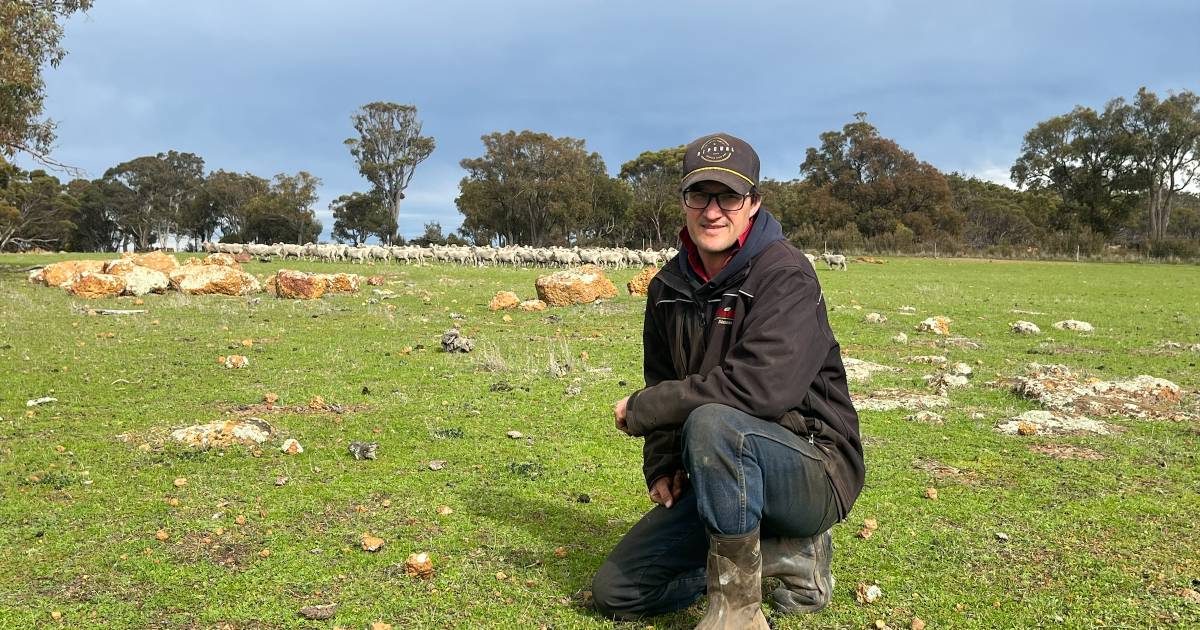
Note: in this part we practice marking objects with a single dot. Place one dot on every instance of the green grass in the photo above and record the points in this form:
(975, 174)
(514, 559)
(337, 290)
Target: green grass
(1107, 543)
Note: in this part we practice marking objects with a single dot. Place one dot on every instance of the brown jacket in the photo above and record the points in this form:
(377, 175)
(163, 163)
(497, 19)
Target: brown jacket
(756, 337)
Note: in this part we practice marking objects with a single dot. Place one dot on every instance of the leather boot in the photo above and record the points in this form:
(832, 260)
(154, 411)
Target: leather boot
(734, 584)
(803, 566)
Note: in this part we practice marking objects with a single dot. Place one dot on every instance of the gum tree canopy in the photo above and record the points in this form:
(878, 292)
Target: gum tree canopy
(30, 31)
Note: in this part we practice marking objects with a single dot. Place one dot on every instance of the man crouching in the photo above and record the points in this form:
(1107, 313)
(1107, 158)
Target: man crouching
(752, 447)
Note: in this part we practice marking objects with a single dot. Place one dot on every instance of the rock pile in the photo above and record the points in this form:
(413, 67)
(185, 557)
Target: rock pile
(1058, 389)
(245, 431)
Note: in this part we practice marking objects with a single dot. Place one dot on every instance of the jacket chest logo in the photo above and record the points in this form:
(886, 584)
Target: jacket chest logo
(724, 315)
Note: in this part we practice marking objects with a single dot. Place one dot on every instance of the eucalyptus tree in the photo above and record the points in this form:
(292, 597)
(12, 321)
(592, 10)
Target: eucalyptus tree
(388, 149)
(30, 32)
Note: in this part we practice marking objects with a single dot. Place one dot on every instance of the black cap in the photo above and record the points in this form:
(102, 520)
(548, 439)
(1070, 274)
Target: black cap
(723, 158)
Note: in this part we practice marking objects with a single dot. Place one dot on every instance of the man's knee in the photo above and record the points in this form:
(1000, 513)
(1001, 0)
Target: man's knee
(710, 425)
(613, 594)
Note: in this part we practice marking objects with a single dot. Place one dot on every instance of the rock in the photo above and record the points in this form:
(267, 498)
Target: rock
(960, 342)
(1025, 328)
(419, 565)
(961, 369)
(640, 284)
(867, 594)
(891, 399)
(371, 543)
(220, 260)
(1002, 537)
(375, 281)
(859, 370)
(503, 300)
(946, 381)
(119, 266)
(142, 280)
(319, 613)
(516, 435)
(60, 273)
(875, 318)
(341, 282)
(934, 359)
(437, 464)
(453, 341)
(938, 325)
(907, 310)
(159, 261)
(928, 417)
(1042, 422)
(243, 258)
(35, 276)
(579, 286)
(90, 285)
(900, 338)
(532, 305)
(246, 431)
(1074, 324)
(213, 280)
(292, 447)
(363, 450)
(236, 362)
(297, 285)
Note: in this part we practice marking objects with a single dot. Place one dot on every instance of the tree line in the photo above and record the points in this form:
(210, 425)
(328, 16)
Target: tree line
(1088, 182)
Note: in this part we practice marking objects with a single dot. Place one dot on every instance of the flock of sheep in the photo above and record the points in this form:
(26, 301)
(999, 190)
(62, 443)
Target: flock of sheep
(517, 256)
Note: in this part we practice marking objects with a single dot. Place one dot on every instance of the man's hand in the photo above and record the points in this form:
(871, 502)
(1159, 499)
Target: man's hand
(619, 412)
(666, 489)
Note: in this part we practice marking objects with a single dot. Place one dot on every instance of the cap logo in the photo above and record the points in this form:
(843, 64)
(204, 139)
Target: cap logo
(715, 150)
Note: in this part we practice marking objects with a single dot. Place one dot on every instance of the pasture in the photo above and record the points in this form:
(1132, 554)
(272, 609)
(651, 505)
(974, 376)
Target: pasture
(97, 533)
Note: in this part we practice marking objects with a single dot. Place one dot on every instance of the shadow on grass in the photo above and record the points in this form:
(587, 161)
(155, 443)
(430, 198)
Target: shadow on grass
(561, 522)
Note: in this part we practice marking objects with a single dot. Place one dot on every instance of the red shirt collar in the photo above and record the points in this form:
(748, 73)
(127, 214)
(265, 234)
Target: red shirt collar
(693, 254)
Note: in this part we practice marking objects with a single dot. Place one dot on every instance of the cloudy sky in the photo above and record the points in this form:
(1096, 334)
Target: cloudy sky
(268, 86)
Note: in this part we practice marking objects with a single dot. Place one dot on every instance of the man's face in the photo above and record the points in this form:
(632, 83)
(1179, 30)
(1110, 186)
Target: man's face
(712, 229)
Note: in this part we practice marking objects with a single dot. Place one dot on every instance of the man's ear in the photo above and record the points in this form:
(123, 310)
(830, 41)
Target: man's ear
(755, 204)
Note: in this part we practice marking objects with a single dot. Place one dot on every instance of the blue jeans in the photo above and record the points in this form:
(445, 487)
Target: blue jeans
(744, 471)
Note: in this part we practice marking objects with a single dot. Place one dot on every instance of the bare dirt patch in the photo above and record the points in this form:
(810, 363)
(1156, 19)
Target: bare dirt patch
(317, 407)
(946, 472)
(1066, 451)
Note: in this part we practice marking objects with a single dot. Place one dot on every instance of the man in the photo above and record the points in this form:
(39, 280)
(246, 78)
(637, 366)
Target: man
(750, 433)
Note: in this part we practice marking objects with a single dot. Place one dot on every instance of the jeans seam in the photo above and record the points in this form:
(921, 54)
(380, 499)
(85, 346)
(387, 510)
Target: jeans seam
(772, 438)
(742, 493)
